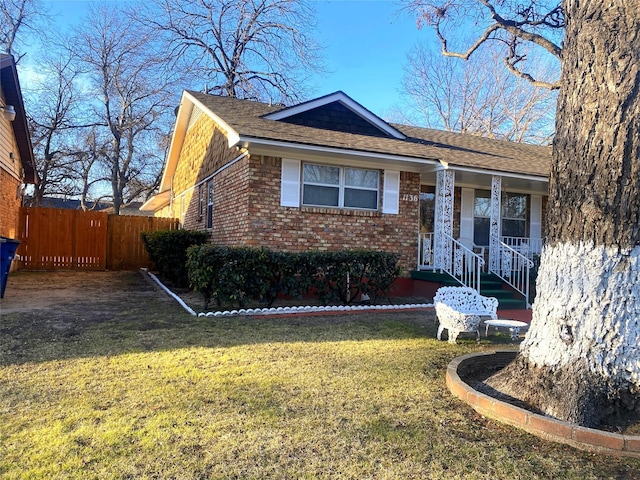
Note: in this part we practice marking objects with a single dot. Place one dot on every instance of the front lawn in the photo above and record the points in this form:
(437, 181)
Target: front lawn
(136, 388)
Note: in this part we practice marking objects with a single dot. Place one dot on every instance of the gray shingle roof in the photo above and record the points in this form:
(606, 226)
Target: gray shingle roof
(458, 150)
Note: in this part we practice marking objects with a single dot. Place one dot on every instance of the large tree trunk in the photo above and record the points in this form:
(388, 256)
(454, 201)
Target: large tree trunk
(580, 361)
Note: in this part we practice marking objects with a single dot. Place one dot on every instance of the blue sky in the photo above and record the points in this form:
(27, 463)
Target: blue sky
(366, 46)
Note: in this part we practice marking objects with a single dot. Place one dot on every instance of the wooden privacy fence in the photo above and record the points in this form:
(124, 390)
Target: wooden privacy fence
(57, 239)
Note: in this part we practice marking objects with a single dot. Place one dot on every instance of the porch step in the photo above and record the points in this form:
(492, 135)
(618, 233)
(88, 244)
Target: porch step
(490, 286)
(499, 294)
(512, 303)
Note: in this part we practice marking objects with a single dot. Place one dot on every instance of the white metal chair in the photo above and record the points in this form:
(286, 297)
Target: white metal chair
(459, 309)
(477, 249)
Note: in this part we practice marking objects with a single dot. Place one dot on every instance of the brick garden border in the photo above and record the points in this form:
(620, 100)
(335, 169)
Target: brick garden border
(545, 427)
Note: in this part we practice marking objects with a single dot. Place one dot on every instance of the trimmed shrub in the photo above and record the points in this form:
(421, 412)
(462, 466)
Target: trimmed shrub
(167, 249)
(349, 276)
(238, 275)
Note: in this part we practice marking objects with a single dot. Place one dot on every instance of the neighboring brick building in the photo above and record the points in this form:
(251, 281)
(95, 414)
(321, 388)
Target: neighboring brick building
(329, 174)
(17, 165)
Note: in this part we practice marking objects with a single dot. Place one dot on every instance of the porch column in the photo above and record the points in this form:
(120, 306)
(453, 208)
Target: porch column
(445, 182)
(494, 230)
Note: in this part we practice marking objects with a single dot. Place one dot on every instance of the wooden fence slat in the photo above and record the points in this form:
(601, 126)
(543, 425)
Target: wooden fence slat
(125, 249)
(58, 239)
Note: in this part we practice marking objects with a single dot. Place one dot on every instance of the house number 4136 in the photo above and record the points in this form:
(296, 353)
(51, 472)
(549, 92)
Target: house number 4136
(409, 198)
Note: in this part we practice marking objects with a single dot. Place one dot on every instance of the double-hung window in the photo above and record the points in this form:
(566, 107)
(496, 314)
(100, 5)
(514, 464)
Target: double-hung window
(210, 204)
(514, 215)
(481, 217)
(330, 186)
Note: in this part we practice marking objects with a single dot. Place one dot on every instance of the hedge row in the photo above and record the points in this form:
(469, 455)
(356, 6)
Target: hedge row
(167, 249)
(239, 275)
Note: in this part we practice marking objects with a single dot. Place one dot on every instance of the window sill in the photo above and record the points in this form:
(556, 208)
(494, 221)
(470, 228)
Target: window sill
(341, 211)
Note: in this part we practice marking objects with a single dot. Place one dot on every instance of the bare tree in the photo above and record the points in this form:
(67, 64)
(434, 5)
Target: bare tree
(16, 17)
(579, 360)
(478, 97)
(53, 109)
(258, 49)
(89, 167)
(513, 25)
(132, 98)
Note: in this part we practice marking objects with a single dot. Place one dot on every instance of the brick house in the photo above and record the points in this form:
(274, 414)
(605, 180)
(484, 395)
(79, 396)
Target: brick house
(329, 174)
(17, 164)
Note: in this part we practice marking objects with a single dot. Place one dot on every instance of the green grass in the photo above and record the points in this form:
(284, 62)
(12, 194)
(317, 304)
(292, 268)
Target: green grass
(148, 392)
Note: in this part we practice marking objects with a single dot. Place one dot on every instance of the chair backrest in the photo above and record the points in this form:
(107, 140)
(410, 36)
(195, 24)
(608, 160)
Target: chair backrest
(467, 243)
(457, 296)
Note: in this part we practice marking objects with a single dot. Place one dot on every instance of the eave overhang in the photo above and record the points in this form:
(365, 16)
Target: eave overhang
(13, 96)
(302, 151)
(156, 202)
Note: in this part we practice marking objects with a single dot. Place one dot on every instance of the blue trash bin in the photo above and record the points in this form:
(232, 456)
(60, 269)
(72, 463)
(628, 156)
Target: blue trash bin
(8, 247)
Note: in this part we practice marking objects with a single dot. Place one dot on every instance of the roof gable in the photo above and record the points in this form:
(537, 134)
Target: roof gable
(337, 112)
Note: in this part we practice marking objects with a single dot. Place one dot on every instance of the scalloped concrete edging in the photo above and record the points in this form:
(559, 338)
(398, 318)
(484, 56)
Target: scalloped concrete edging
(281, 310)
(542, 426)
(312, 309)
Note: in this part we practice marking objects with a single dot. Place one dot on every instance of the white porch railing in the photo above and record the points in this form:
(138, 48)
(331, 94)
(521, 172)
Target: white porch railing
(525, 245)
(454, 258)
(512, 264)
(425, 251)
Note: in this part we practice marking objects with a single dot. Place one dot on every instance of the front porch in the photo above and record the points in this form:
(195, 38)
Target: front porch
(474, 236)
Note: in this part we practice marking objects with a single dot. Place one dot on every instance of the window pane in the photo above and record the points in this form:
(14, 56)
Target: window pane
(513, 228)
(210, 204)
(314, 195)
(482, 204)
(481, 227)
(514, 205)
(361, 178)
(354, 198)
(321, 174)
(427, 211)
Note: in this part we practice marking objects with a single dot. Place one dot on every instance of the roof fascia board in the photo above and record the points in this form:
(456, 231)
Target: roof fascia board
(255, 144)
(347, 102)
(177, 139)
(519, 176)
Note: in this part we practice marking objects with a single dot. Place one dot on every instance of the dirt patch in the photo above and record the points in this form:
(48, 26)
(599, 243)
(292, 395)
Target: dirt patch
(27, 291)
(65, 303)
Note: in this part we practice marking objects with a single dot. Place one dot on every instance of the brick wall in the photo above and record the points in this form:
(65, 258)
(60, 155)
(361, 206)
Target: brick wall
(9, 205)
(314, 228)
(247, 207)
(231, 206)
(204, 151)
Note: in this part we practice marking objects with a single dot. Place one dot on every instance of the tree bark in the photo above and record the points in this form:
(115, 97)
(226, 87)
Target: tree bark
(580, 361)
